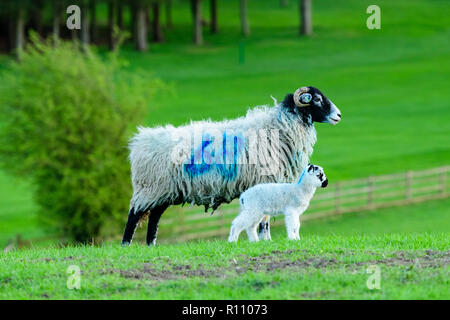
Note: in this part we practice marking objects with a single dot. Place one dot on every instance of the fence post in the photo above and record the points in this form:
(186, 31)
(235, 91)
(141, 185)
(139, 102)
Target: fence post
(443, 181)
(370, 184)
(337, 198)
(222, 229)
(408, 182)
(179, 231)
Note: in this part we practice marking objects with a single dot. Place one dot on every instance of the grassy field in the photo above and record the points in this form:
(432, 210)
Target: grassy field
(409, 244)
(316, 267)
(392, 88)
(385, 82)
(431, 217)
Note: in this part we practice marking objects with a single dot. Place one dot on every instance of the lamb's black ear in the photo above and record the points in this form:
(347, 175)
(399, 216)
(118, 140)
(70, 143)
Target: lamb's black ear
(310, 167)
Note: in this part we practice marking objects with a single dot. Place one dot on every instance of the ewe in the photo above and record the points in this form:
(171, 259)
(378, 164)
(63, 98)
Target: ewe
(291, 199)
(209, 163)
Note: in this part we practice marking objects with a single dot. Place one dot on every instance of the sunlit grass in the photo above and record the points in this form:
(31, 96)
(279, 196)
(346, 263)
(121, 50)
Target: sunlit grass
(316, 267)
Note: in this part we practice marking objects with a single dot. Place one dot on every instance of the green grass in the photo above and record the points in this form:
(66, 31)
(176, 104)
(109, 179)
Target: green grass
(18, 211)
(390, 84)
(412, 266)
(409, 244)
(431, 217)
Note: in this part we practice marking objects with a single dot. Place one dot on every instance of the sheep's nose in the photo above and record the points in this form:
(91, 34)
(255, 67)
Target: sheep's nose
(339, 115)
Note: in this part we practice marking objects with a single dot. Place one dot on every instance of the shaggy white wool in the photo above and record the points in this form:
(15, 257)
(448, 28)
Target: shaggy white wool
(290, 199)
(158, 157)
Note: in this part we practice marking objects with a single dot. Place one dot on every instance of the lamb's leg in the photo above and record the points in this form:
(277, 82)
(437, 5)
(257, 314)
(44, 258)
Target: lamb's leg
(153, 220)
(264, 228)
(238, 224)
(292, 220)
(133, 219)
(252, 232)
(297, 227)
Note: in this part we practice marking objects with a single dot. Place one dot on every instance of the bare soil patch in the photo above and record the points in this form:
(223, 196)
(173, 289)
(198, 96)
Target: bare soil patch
(279, 260)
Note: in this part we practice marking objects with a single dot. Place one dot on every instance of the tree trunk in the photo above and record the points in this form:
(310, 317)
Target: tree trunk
(306, 17)
(244, 19)
(11, 33)
(197, 17)
(74, 34)
(169, 24)
(120, 14)
(56, 20)
(141, 28)
(85, 34)
(19, 32)
(93, 18)
(111, 24)
(284, 3)
(36, 16)
(214, 26)
(157, 30)
(133, 22)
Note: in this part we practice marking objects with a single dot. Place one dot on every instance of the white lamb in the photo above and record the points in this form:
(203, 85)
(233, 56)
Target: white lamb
(272, 199)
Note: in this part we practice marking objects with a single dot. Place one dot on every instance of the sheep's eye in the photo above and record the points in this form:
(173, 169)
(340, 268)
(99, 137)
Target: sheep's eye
(316, 99)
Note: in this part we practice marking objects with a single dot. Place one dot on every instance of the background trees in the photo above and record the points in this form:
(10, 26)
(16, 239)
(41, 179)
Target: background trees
(245, 27)
(214, 21)
(305, 17)
(146, 20)
(196, 7)
(65, 121)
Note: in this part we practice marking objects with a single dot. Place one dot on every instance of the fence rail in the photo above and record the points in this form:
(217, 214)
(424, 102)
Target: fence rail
(339, 198)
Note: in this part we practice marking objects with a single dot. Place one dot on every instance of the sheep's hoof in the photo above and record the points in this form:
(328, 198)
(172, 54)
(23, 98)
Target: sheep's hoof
(125, 244)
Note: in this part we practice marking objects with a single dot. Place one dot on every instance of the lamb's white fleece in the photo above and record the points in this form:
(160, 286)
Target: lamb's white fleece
(290, 199)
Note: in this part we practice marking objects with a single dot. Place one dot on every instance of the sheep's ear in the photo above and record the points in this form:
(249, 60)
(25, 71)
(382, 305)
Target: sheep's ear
(310, 167)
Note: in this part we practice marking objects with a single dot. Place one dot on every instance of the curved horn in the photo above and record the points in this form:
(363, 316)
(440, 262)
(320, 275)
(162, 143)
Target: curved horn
(297, 95)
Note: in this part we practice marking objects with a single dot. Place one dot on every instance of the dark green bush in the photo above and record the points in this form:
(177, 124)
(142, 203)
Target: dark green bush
(66, 116)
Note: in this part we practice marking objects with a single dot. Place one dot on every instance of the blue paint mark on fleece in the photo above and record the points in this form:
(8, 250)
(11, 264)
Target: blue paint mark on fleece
(302, 176)
(216, 160)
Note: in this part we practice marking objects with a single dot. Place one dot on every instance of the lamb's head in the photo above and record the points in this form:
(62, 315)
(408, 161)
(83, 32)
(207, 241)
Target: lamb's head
(316, 176)
(312, 104)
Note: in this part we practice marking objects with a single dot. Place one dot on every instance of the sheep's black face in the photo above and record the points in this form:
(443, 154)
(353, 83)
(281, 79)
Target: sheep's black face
(314, 107)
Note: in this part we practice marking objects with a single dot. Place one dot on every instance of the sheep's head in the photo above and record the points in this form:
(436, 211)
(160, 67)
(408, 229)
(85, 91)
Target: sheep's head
(313, 105)
(317, 177)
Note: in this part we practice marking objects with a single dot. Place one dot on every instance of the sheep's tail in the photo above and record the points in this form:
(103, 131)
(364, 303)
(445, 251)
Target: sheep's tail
(143, 218)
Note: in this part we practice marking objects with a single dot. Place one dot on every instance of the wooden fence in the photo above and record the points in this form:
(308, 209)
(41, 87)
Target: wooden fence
(181, 224)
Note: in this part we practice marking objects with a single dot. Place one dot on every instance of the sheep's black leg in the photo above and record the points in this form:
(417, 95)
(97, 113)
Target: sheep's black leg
(133, 219)
(153, 220)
